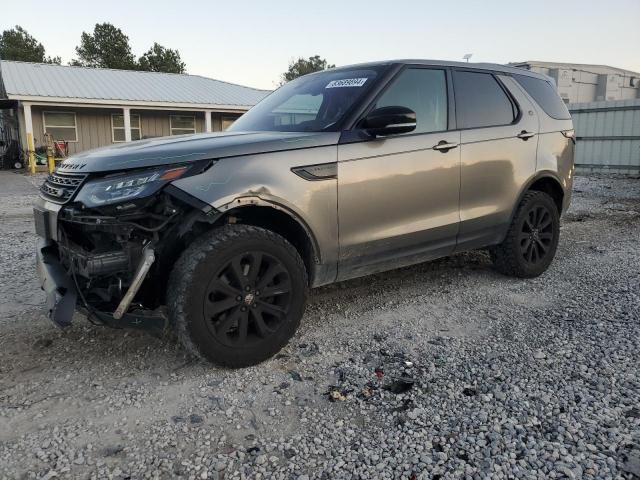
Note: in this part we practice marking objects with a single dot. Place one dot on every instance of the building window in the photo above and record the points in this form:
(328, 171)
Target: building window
(60, 125)
(182, 124)
(227, 122)
(117, 127)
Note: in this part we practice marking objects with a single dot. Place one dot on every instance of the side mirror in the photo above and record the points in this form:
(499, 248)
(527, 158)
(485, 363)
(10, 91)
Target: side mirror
(390, 121)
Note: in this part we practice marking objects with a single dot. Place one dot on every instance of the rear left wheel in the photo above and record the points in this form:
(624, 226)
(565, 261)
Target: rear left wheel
(237, 295)
(532, 239)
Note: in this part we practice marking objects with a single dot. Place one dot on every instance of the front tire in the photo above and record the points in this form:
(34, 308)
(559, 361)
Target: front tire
(237, 295)
(532, 239)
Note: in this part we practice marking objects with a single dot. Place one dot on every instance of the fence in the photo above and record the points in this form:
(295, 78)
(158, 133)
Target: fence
(608, 136)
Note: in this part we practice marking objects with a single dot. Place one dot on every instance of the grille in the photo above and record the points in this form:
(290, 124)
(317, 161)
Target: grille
(60, 187)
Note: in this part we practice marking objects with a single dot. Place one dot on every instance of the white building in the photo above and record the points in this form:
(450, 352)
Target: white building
(579, 82)
(92, 107)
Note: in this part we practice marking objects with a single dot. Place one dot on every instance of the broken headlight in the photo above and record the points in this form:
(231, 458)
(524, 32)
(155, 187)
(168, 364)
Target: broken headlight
(127, 186)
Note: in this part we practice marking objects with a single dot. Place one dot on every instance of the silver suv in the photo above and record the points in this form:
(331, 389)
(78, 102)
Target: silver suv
(336, 175)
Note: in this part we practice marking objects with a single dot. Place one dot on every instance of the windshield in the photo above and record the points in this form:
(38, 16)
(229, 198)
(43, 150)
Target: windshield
(312, 103)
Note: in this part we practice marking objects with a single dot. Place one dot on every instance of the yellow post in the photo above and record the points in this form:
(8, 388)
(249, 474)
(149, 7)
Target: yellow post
(32, 154)
(51, 163)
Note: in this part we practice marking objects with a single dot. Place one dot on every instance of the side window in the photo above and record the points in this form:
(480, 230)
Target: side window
(422, 90)
(545, 95)
(481, 101)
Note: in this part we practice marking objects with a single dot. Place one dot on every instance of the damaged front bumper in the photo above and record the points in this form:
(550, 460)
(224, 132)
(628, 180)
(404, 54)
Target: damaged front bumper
(61, 293)
(110, 262)
(62, 297)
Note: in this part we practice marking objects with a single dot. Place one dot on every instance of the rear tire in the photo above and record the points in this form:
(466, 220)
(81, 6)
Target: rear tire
(237, 295)
(532, 238)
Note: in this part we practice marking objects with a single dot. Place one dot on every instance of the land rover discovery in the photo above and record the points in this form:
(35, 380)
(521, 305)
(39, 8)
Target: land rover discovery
(335, 175)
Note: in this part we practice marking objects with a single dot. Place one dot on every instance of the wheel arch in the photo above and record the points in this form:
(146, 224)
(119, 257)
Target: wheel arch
(281, 220)
(547, 182)
(551, 185)
(543, 181)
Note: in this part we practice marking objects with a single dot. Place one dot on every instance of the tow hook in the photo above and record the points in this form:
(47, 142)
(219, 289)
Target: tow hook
(148, 257)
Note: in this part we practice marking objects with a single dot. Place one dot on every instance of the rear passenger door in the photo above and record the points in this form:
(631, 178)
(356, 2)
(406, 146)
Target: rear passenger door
(499, 129)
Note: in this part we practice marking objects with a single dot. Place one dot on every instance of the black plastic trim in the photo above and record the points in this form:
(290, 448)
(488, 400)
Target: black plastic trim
(154, 322)
(451, 102)
(317, 172)
(183, 196)
(58, 286)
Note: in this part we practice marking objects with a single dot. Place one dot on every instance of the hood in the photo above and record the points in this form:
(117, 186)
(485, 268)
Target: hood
(191, 148)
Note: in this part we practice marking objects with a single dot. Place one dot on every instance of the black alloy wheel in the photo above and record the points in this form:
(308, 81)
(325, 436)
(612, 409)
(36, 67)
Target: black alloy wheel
(531, 241)
(537, 234)
(247, 299)
(237, 294)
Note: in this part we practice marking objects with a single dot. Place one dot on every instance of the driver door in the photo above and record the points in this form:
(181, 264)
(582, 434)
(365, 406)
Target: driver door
(398, 196)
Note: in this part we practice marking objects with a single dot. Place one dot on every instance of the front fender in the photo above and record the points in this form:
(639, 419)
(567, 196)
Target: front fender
(255, 201)
(267, 180)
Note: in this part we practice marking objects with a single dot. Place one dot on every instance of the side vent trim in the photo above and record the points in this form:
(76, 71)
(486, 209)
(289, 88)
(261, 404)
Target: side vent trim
(314, 173)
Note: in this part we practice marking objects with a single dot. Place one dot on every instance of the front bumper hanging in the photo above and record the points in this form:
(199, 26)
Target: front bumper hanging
(59, 287)
(62, 295)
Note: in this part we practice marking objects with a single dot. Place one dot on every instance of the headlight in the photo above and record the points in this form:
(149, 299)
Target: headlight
(127, 186)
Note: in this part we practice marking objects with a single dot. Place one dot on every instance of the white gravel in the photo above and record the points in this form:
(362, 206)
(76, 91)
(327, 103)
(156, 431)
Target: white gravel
(442, 370)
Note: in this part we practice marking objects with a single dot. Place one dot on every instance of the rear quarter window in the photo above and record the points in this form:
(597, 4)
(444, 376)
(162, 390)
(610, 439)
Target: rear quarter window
(545, 95)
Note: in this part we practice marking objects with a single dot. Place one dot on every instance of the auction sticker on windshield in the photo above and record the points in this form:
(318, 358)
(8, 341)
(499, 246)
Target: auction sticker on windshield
(346, 82)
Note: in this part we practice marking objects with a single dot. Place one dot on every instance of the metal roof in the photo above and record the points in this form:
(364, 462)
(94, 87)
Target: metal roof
(573, 66)
(22, 80)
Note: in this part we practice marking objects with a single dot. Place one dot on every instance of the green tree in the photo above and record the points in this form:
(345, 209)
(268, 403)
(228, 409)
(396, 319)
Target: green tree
(303, 66)
(161, 59)
(106, 47)
(17, 44)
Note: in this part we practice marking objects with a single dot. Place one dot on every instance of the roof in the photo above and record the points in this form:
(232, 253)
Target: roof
(28, 81)
(493, 67)
(574, 66)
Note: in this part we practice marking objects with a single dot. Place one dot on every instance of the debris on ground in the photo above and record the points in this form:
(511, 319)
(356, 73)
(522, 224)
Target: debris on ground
(400, 384)
(338, 394)
(308, 349)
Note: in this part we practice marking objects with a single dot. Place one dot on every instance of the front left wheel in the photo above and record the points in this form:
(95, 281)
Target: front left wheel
(237, 295)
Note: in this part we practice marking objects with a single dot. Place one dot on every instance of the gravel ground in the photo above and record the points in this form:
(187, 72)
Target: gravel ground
(441, 370)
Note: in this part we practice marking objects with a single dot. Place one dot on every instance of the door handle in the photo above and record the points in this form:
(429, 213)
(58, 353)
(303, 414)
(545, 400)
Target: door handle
(444, 146)
(524, 135)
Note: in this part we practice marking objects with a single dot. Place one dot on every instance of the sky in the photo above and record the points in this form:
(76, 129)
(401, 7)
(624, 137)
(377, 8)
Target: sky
(252, 42)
